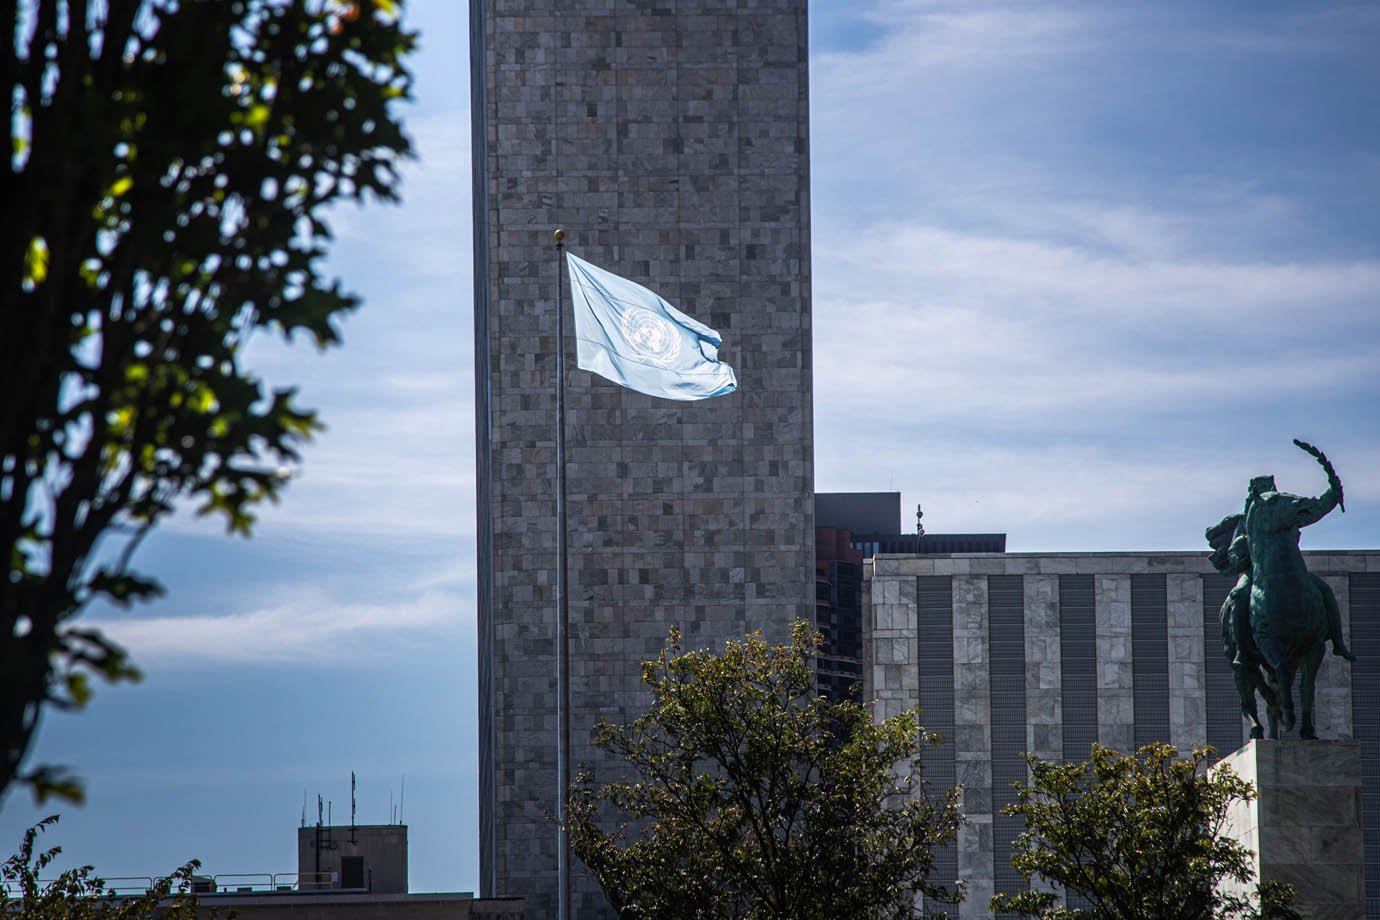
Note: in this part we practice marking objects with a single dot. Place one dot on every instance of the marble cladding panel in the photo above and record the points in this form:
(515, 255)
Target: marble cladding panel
(973, 735)
(1187, 673)
(1305, 825)
(1115, 702)
(975, 851)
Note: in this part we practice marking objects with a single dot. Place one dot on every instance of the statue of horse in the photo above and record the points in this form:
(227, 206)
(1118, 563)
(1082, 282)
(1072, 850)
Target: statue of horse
(1278, 617)
(1247, 665)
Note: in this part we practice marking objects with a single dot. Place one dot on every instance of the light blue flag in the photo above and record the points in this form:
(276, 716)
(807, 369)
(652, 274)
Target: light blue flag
(632, 336)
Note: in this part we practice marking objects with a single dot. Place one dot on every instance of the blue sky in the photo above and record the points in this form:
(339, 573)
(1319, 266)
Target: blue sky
(1080, 271)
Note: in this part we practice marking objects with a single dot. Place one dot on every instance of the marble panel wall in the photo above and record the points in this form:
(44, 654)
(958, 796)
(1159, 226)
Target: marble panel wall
(1060, 632)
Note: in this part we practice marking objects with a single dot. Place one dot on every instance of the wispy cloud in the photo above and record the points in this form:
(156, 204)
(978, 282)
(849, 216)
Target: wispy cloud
(301, 626)
(983, 326)
(959, 35)
(1054, 277)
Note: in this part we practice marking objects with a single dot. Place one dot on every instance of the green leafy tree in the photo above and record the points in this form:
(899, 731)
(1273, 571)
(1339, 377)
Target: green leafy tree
(171, 164)
(79, 894)
(1140, 836)
(756, 798)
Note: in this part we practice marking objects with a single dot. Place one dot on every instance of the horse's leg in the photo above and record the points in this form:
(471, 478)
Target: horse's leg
(1284, 686)
(1245, 690)
(1280, 671)
(1264, 683)
(1334, 618)
(1310, 666)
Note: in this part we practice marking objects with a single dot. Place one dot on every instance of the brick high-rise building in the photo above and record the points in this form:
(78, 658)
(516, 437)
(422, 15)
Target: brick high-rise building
(669, 139)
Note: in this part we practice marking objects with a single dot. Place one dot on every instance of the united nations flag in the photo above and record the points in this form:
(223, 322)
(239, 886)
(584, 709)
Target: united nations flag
(632, 336)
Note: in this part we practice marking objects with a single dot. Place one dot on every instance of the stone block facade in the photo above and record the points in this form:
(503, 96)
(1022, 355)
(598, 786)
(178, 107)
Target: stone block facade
(1304, 827)
(669, 140)
(1119, 648)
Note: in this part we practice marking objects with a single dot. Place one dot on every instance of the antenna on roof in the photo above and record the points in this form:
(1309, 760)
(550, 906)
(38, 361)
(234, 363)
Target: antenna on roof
(304, 807)
(352, 807)
(402, 798)
(319, 807)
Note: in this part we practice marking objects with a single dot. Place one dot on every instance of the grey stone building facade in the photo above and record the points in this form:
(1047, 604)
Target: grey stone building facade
(1016, 652)
(669, 139)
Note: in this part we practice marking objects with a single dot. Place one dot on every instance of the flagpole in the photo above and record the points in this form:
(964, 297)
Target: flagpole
(562, 612)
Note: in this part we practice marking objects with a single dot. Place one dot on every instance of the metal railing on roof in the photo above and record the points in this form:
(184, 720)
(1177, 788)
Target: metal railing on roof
(223, 883)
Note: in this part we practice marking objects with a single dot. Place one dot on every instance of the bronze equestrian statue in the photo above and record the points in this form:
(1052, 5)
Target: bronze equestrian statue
(1278, 617)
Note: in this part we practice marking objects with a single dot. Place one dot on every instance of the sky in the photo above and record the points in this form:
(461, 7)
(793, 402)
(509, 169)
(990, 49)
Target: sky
(1080, 271)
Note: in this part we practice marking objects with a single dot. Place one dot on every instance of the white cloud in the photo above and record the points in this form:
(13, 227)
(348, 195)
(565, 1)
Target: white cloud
(402, 471)
(300, 626)
(957, 36)
(982, 326)
(1056, 278)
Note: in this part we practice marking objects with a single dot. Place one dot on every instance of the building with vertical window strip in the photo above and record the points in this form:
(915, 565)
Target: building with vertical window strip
(851, 527)
(1047, 653)
(838, 615)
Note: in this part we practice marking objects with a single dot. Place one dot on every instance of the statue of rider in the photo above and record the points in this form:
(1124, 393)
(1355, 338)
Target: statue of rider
(1270, 521)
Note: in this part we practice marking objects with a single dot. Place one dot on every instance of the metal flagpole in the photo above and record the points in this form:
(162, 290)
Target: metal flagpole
(562, 611)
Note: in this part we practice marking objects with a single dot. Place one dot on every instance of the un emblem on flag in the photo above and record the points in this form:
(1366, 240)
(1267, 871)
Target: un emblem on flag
(650, 335)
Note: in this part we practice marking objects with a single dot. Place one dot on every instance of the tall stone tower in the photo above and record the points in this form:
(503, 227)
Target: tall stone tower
(669, 138)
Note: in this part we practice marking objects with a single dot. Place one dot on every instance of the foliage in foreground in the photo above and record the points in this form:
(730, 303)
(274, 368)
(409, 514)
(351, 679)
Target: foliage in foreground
(1139, 836)
(756, 798)
(79, 894)
(168, 167)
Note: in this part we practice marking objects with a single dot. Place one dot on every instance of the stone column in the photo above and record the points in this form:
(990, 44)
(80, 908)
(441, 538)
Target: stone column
(1116, 709)
(973, 741)
(1043, 709)
(1305, 825)
(1187, 671)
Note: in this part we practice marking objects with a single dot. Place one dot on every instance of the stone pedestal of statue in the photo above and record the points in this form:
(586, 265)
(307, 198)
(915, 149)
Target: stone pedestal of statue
(1305, 826)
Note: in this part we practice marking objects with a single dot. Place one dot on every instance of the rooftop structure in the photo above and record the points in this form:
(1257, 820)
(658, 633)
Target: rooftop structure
(873, 520)
(351, 872)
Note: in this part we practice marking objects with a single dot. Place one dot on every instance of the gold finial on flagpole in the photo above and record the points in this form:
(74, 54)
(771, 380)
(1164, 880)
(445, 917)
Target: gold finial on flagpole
(560, 236)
